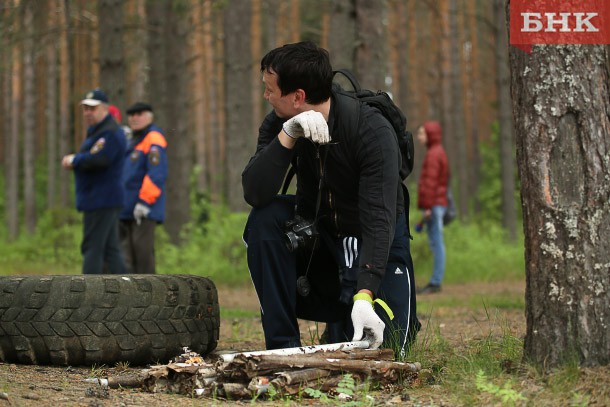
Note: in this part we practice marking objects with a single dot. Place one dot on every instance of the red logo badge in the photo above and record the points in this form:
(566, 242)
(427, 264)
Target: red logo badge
(559, 22)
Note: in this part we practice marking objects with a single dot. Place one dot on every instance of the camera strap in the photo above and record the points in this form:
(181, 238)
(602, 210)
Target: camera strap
(303, 285)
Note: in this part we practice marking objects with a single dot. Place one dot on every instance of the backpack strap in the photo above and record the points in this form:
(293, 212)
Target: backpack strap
(289, 175)
(350, 77)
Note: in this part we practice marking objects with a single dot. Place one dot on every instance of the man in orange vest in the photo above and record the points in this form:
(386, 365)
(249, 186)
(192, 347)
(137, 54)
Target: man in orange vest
(144, 176)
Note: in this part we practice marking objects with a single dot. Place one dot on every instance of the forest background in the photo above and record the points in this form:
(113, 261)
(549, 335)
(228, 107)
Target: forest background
(197, 62)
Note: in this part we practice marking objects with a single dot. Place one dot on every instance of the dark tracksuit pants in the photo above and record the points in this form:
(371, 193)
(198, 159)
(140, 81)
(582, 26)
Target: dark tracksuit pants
(274, 271)
(100, 247)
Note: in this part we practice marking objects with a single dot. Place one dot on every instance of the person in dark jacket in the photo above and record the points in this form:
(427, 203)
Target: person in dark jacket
(144, 178)
(432, 198)
(97, 170)
(346, 246)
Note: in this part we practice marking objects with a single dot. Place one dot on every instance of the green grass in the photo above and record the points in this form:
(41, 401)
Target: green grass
(474, 253)
(214, 248)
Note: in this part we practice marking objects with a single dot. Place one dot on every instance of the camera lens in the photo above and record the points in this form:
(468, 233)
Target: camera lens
(292, 241)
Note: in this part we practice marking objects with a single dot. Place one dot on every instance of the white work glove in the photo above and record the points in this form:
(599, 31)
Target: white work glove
(309, 124)
(140, 212)
(367, 323)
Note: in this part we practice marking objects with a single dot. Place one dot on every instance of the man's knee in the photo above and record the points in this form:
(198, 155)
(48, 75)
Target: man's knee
(267, 223)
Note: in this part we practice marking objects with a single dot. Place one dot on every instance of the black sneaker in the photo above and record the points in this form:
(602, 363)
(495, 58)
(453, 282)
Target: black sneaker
(429, 289)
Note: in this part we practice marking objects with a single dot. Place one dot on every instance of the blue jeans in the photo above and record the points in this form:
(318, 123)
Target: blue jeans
(434, 226)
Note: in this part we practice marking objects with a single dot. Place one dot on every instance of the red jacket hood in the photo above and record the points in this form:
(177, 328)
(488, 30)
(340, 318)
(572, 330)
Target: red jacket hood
(433, 133)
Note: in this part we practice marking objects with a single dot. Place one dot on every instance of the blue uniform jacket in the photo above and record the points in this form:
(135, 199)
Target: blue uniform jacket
(98, 166)
(145, 172)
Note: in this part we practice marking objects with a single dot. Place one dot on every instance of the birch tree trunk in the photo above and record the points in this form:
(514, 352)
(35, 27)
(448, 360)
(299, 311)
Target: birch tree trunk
(561, 100)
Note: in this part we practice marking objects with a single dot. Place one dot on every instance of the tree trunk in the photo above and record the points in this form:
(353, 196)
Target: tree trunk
(198, 74)
(212, 100)
(29, 119)
(457, 114)
(505, 119)
(167, 46)
(136, 56)
(241, 137)
(12, 159)
(65, 100)
(371, 53)
(112, 65)
(51, 113)
(342, 36)
(561, 100)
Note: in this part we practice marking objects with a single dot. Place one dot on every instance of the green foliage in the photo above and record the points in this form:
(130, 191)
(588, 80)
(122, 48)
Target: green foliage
(474, 252)
(212, 246)
(316, 394)
(489, 196)
(506, 393)
(347, 385)
(52, 249)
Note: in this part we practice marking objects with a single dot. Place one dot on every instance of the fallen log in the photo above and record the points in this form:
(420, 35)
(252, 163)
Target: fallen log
(262, 365)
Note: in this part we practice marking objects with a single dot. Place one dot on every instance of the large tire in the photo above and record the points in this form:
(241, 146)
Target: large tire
(105, 319)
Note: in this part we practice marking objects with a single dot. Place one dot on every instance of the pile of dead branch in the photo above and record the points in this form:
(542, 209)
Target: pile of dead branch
(255, 374)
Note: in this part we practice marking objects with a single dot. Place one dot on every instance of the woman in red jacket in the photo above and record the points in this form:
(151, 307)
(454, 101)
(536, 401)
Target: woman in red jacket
(432, 198)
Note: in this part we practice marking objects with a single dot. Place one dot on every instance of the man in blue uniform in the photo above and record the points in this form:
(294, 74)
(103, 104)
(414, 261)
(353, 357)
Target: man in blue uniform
(97, 170)
(144, 177)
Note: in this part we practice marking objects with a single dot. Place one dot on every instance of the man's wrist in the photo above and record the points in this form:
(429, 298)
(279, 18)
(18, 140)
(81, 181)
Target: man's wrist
(366, 295)
(286, 140)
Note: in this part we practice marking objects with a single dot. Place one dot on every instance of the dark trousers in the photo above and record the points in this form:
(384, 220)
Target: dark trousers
(138, 244)
(274, 271)
(100, 246)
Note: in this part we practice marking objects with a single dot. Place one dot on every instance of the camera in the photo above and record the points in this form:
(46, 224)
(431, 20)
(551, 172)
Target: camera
(300, 232)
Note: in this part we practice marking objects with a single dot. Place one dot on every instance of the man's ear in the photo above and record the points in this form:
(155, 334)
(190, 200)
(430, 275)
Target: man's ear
(299, 98)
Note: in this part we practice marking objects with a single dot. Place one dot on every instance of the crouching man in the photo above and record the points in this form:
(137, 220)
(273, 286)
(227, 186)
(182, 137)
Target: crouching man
(337, 251)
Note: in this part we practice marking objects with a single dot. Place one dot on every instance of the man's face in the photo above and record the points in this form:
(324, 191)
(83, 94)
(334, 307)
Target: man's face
(283, 105)
(422, 137)
(94, 114)
(139, 120)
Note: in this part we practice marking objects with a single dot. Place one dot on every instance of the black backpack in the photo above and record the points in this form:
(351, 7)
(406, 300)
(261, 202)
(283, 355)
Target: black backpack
(383, 102)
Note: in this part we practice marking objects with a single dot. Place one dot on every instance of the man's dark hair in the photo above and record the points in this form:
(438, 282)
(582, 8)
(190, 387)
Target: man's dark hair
(302, 65)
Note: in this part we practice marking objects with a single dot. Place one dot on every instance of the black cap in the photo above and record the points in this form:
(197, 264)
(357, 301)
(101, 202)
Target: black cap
(94, 97)
(139, 107)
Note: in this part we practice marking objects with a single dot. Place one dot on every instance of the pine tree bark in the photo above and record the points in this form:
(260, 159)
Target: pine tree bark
(51, 113)
(65, 90)
(371, 52)
(241, 137)
(29, 119)
(342, 35)
(505, 119)
(12, 158)
(457, 115)
(111, 60)
(561, 100)
(167, 47)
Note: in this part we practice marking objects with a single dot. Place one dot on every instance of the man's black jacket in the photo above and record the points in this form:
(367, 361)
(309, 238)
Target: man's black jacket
(361, 189)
